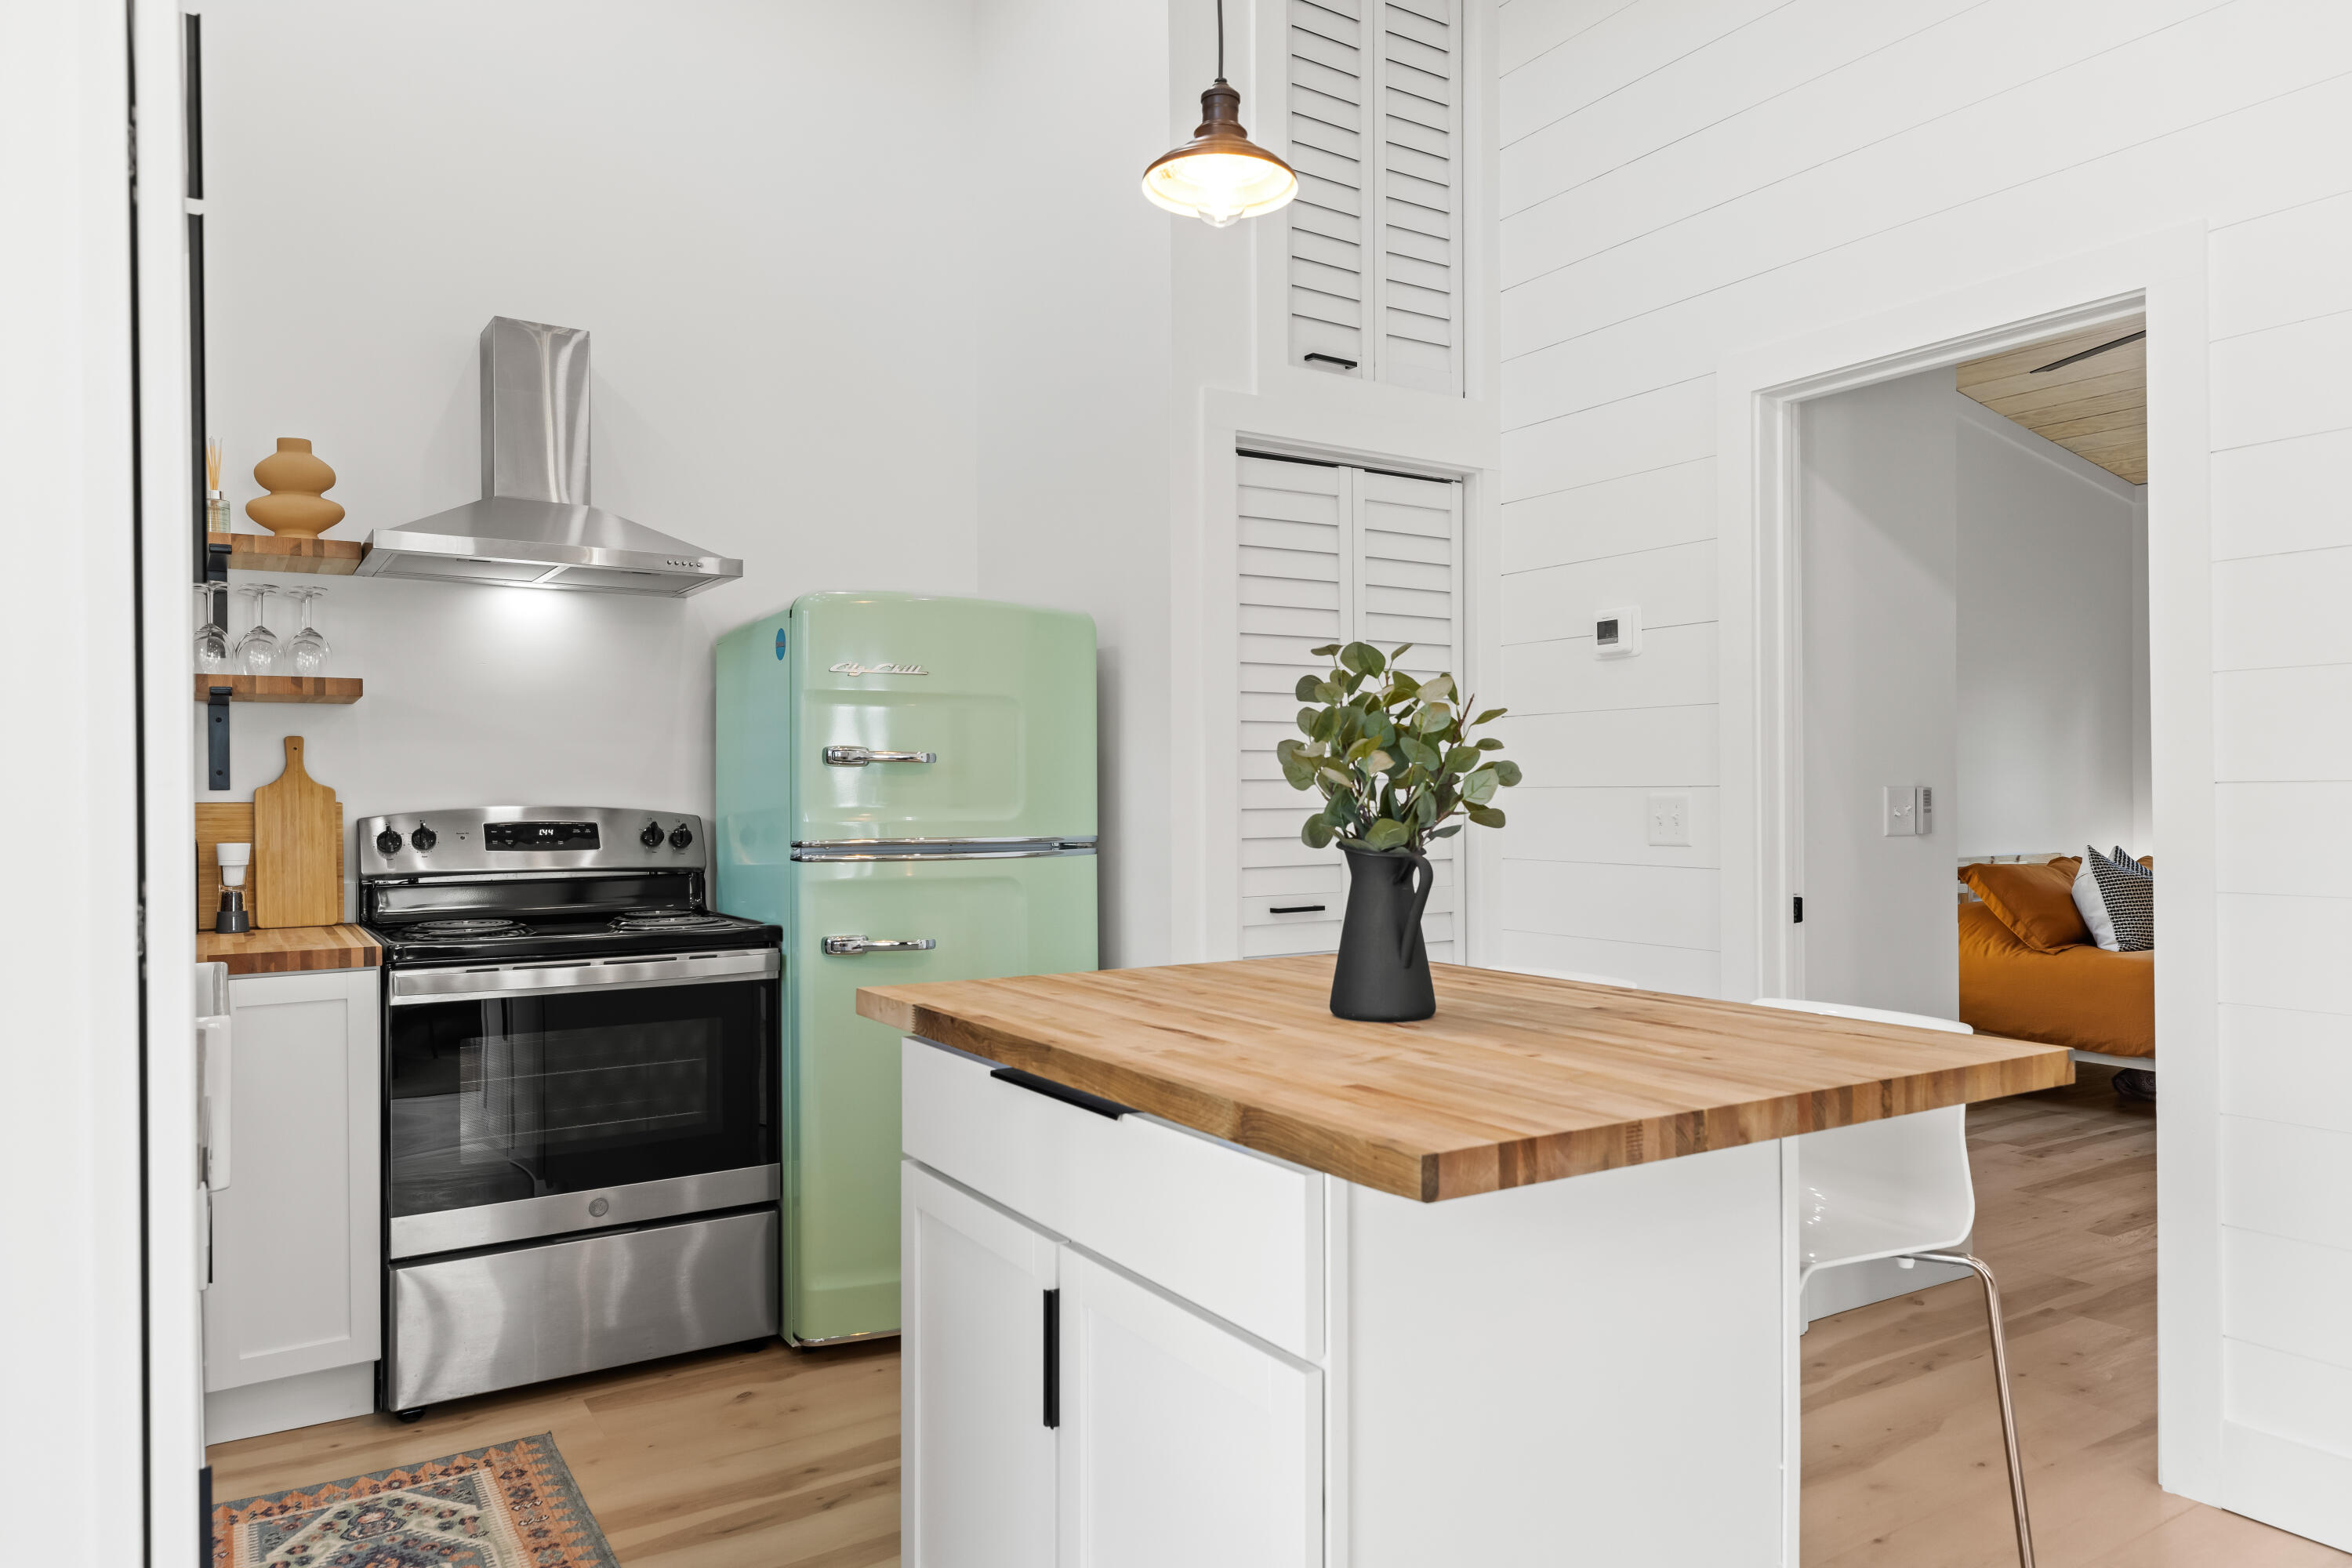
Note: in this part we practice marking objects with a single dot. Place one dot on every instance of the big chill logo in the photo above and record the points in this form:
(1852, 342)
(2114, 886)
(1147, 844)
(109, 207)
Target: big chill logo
(851, 666)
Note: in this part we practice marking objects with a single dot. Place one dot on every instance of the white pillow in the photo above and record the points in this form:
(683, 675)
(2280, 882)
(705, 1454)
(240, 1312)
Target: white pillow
(2093, 907)
(2130, 929)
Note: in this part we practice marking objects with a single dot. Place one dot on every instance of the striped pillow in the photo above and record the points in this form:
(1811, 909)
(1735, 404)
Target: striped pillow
(2118, 900)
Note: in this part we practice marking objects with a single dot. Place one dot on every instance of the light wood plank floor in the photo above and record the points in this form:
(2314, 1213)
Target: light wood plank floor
(771, 1458)
(1903, 1454)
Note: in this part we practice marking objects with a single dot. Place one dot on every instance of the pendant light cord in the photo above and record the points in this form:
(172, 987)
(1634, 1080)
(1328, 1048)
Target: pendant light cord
(1220, 40)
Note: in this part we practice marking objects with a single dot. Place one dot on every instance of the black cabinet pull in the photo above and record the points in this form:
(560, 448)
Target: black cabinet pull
(1063, 1092)
(1053, 1358)
(1329, 359)
(1295, 909)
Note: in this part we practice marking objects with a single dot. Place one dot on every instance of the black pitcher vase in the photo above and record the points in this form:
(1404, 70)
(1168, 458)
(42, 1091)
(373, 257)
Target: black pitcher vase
(1382, 976)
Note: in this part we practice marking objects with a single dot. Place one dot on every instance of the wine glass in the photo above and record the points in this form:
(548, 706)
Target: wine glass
(308, 648)
(212, 637)
(257, 651)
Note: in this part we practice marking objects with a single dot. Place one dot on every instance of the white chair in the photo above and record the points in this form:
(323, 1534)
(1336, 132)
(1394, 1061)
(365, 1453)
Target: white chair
(1900, 1188)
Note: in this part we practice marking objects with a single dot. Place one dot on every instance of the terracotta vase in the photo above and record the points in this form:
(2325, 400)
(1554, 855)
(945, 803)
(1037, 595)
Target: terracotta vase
(294, 480)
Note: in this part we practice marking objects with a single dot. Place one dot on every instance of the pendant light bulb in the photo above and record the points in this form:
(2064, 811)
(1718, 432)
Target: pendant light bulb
(1220, 176)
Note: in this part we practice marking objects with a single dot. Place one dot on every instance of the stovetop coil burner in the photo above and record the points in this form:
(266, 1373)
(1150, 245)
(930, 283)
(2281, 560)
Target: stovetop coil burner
(472, 930)
(672, 920)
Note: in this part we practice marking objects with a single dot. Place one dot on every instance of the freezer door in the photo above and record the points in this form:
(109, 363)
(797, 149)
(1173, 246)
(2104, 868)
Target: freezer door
(935, 718)
(984, 919)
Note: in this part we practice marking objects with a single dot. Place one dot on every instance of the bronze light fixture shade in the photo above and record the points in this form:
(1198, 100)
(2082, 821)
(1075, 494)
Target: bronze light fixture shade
(1220, 176)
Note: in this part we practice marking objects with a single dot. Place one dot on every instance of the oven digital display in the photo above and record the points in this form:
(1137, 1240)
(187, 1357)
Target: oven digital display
(539, 836)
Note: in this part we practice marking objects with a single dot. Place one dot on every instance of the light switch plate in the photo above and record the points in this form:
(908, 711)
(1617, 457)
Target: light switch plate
(1617, 633)
(1900, 817)
(1669, 816)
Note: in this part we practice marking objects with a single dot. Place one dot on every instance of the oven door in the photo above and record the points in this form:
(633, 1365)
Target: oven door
(535, 1100)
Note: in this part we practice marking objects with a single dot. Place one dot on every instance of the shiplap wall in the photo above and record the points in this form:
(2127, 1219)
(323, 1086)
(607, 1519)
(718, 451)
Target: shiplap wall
(1684, 179)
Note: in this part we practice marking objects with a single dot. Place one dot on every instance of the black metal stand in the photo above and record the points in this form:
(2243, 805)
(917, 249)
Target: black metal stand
(217, 735)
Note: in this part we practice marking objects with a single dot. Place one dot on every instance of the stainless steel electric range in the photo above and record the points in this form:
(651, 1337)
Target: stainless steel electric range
(580, 1088)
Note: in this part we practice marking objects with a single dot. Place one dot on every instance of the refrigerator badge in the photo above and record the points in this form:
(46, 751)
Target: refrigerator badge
(851, 666)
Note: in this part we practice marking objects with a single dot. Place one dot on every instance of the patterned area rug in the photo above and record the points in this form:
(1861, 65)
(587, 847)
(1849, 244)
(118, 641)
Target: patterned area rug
(510, 1505)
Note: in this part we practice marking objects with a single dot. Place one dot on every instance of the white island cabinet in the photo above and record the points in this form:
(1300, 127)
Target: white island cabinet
(292, 1310)
(1467, 1382)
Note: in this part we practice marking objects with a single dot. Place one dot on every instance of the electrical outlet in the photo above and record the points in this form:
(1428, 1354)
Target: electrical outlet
(1670, 819)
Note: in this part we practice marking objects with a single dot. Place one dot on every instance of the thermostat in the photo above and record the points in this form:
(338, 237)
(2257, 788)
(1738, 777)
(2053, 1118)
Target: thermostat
(1617, 633)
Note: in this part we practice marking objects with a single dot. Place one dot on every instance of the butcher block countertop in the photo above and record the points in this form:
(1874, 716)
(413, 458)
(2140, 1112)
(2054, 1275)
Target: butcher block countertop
(1517, 1080)
(285, 949)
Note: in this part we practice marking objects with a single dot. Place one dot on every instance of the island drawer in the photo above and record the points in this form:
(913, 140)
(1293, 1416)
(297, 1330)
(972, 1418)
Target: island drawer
(1234, 1232)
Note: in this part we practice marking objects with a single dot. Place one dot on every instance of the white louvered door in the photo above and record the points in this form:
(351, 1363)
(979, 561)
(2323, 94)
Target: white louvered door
(1375, 234)
(1328, 555)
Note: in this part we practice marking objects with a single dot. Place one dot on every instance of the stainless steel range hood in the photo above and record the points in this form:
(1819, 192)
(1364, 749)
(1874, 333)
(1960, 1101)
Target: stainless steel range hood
(533, 526)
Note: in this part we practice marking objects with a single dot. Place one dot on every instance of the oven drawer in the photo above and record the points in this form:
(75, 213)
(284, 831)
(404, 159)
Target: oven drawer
(1233, 1231)
(501, 1320)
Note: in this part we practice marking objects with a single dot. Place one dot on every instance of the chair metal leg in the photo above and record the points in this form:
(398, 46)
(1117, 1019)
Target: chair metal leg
(2000, 1380)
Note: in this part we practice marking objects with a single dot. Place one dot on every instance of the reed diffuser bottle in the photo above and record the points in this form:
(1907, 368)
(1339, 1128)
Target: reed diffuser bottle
(216, 518)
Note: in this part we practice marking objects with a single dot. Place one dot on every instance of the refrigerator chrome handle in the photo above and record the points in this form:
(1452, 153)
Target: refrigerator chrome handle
(859, 756)
(851, 946)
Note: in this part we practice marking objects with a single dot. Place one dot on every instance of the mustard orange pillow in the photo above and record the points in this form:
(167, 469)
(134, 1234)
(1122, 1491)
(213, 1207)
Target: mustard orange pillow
(2035, 902)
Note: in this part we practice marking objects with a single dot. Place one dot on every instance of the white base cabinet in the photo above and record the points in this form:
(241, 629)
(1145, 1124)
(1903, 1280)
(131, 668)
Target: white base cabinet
(1130, 1346)
(296, 1251)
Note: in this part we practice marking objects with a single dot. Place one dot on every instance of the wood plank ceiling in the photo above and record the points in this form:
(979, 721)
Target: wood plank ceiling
(2095, 407)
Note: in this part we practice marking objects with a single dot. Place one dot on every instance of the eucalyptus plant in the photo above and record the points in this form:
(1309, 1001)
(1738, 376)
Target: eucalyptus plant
(1393, 755)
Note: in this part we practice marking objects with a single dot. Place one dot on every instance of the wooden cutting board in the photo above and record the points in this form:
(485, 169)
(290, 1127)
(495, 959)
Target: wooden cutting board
(298, 834)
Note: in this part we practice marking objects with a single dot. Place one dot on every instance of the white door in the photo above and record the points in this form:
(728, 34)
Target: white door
(1183, 1442)
(979, 1455)
(297, 1243)
(1331, 553)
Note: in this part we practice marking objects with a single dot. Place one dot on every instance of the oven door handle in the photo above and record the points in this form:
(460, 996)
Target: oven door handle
(851, 946)
(416, 987)
(864, 756)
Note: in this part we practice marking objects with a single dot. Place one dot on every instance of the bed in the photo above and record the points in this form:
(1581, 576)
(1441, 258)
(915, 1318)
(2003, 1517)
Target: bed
(2029, 970)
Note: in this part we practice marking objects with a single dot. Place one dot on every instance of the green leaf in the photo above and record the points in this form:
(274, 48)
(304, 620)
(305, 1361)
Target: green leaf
(1478, 788)
(1388, 833)
(1363, 658)
(1317, 834)
(1326, 651)
(1425, 808)
(1509, 771)
(1306, 719)
(1461, 758)
(1488, 744)
(1327, 723)
(1337, 778)
(1361, 750)
(1490, 715)
(1420, 752)
(1437, 687)
(1433, 717)
(1305, 689)
(1287, 747)
(1486, 816)
(1399, 651)
(1448, 831)
(1379, 761)
(1298, 772)
(1402, 688)
(1326, 692)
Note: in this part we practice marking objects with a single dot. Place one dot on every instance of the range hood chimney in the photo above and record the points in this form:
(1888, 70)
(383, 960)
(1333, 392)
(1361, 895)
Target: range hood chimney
(533, 527)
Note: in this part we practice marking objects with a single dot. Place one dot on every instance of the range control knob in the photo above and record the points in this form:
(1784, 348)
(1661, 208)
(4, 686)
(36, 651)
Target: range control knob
(652, 836)
(387, 842)
(424, 837)
(679, 837)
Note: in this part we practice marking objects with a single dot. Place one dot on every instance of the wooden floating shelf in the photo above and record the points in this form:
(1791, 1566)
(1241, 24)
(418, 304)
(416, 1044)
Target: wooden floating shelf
(337, 689)
(275, 552)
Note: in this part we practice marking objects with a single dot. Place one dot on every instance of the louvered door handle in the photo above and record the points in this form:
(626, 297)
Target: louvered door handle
(851, 946)
(859, 756)
(1329, 359)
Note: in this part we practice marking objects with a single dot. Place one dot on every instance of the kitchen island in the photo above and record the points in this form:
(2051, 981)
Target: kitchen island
(1194, 1271)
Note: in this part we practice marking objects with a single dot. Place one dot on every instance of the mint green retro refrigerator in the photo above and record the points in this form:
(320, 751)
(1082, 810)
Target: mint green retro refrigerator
(906, 785)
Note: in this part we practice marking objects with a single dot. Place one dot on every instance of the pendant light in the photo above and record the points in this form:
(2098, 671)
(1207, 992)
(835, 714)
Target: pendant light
(1220, 176)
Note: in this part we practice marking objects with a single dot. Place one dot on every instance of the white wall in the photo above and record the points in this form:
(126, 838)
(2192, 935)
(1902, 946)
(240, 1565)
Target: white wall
(2053, 647)
(783, 363)
(1878, 498)
(1684, 182)
(71, 1288)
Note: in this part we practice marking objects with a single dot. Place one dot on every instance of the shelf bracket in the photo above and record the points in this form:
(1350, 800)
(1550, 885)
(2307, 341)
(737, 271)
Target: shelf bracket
(217, 735)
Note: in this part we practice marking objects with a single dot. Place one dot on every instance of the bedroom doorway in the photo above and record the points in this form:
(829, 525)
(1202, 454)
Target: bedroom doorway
(1968, 704)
